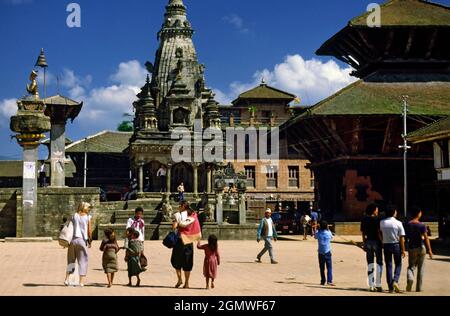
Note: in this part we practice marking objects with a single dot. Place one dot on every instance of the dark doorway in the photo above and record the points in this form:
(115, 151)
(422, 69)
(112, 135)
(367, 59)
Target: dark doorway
(152, 183)
(182, 172)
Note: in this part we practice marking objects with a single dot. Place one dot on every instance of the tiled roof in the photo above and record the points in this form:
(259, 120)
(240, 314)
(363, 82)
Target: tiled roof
(373, 98)
(103, 142)
(264, 91)
(438, 130)
(60, 100)
(407, 13)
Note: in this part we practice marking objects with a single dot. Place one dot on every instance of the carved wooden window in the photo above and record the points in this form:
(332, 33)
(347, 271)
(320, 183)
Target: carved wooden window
(272, 177)
(250, 172)
(294, 176)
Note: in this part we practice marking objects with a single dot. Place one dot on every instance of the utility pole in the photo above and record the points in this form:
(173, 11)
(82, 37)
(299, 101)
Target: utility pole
(85, 162)
(405, 148)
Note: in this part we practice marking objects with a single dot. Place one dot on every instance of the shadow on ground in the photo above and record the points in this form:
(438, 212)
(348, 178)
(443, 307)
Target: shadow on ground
(440, 248)
(349, 289)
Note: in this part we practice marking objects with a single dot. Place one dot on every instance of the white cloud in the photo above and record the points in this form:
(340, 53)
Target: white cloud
(104, 106)
(50, 79)
(237, 22)
(130, 73)
(70, 80)
(8, 108)
(312, 80)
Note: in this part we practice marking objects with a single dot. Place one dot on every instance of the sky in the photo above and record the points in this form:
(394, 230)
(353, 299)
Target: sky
(101, 62)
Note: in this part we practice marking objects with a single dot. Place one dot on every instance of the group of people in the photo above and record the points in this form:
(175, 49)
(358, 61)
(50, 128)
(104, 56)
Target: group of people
(388, 235)
(392, 237)
(185, 224)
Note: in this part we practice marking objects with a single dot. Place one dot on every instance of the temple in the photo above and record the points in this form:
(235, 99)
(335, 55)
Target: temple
(175, 97)
(352, 138)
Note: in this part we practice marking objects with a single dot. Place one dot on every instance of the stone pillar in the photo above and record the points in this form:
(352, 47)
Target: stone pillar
(242, 210)
(208, 181)
(195, 167)
(219, 208)
(169, 178)
(30, 156)
(57, 155)
(141, 178)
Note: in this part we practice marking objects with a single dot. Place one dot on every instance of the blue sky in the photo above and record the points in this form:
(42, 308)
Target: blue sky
(101, 62)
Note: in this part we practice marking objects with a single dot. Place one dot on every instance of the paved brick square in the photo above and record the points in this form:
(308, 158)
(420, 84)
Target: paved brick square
(39, 269)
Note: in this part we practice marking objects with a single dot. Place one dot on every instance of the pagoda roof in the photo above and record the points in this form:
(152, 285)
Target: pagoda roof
(103, 142)
(384, 98)
(419, 13)
(413, 34)
(435, 131)
(263, 91)
(60, 100)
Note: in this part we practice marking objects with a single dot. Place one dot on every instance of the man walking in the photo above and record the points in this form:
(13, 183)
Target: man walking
(393, 235)
(162, 174)
(370, 229)
(417, 240)
(267, 231)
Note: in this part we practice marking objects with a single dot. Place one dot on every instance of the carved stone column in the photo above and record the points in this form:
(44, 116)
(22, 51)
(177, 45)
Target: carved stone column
(208, 181)
(141, 178)
(169, 178)
(219, 208)
(195, 167)
(242, 210)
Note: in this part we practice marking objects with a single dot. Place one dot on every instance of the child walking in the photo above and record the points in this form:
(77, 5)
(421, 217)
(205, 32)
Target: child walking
(324, 238)
(133, 255)
(110, 248)
(212, 259)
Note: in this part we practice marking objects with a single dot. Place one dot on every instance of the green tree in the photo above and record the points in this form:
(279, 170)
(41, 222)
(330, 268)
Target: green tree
(126, 125)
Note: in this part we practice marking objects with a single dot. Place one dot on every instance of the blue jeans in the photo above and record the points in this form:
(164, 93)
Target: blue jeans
(181, 196)
(392, 251)
(267, 247)
(325, 260)
(374, 249)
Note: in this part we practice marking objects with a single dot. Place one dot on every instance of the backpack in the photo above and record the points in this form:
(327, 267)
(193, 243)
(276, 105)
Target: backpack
(66, 234)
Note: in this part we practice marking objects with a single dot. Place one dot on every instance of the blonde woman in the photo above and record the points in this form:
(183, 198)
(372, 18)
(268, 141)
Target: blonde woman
(80, 242)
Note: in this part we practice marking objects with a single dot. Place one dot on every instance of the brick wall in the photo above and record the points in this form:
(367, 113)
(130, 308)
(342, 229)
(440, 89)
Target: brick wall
(283, 176)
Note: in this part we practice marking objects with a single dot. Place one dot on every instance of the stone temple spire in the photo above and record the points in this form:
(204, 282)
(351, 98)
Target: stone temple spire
(176, 54)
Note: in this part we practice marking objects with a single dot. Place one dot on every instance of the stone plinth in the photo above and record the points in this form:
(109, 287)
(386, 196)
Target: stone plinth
(59, 109)
(30, 123)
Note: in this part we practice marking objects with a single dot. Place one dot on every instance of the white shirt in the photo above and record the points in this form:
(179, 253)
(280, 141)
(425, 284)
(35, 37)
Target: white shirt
(80, 224)
(182, 219)
(161, 172)
(42, 168)
(392, 229)
(138, 228)
(269, 227)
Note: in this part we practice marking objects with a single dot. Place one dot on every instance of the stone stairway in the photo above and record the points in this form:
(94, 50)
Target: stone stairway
(114, 215)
